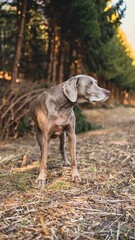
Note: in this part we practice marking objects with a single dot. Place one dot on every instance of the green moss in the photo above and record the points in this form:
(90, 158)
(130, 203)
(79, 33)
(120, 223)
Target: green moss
(60, 185)
(92, 169)
(21, 181)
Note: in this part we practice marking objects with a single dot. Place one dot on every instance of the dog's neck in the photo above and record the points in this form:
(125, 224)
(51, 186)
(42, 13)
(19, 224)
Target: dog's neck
(63, 104)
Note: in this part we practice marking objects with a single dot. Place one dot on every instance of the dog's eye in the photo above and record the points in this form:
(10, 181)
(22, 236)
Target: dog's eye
(90, 83)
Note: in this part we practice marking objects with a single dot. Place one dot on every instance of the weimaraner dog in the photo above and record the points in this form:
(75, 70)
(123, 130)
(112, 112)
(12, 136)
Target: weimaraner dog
(52, 112)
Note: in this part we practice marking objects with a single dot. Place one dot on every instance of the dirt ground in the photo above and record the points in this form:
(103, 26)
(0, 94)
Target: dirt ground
(101, 207)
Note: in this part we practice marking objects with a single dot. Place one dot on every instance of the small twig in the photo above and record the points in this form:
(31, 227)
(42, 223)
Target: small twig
(24, 96)
(119, 200)
(25, 159)
(22, 105)
(3, 105)
(118, 231)
(111, 224)
(44, 228)
(102, 213)
(19, 117)
(5, 128)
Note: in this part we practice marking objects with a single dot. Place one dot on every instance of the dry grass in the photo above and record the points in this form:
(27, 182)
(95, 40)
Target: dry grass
(101, 207)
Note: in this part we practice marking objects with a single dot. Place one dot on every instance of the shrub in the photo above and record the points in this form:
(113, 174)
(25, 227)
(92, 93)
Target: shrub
(82, 125)
(24, 125)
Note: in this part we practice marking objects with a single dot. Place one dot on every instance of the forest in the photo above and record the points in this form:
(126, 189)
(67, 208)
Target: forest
(43, 43)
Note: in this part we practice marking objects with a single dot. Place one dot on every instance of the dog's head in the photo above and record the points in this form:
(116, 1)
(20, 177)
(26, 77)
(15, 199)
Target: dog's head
(82, 88)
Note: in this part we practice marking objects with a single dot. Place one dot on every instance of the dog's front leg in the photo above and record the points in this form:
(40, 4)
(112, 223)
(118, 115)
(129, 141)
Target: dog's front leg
(44, 151)
(62, 149)
(72, 149)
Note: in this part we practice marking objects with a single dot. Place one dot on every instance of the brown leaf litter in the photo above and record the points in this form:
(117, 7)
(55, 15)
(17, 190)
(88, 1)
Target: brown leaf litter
(101, 207)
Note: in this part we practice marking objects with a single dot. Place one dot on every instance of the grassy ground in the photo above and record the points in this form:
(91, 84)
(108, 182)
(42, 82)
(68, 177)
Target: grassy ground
(101, 207)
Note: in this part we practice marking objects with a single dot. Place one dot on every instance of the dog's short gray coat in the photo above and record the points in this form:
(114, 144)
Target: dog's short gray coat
(52, 112)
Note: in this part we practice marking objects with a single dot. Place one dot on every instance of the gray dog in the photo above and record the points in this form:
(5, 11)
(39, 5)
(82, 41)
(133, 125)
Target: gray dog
(52, 112)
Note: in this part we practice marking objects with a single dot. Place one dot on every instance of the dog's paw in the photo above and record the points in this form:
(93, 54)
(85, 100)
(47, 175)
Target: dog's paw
(66, 163)
(76, 177)
(40, 181)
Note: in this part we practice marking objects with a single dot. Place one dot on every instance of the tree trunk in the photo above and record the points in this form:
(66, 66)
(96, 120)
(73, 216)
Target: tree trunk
(18, 45)
(60, 61)
(51, 55)
(61, 69)
(3, 51)
(55, 55)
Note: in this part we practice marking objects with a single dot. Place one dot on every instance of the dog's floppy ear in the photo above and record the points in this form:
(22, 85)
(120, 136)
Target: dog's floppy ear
(70, 89)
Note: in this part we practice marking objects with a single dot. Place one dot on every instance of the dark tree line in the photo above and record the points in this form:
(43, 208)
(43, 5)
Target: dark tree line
(44, 42)
(63, 38)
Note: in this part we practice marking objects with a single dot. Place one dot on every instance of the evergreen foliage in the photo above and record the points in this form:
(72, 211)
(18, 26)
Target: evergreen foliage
(118, 65)
(62, 38)
(81, 124)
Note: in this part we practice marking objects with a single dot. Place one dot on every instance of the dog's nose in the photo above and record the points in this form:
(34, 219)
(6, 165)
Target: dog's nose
(107, 92)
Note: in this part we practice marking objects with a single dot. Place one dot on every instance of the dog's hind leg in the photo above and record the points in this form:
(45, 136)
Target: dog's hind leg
(39, 137)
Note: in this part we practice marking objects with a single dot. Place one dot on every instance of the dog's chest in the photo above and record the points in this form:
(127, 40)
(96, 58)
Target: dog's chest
(58, 126)
(57, 132)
